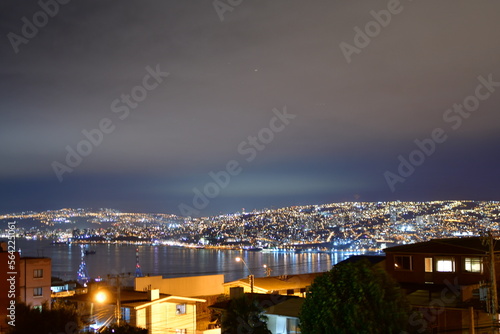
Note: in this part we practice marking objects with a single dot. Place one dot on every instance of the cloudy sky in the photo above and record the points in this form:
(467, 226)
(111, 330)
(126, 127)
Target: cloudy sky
(304, 102)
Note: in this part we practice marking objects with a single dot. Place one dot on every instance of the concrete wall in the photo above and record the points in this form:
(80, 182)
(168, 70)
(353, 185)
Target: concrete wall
(277, 324)
(193, 286)
(28, 283)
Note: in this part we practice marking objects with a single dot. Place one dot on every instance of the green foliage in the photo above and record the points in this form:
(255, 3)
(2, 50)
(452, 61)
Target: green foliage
(124, 329)
(354, 298)
(62, 318)
(244, 316)
(216, 314)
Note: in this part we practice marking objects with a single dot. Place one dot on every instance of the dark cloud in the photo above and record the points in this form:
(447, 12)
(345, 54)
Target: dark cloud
(353, 119)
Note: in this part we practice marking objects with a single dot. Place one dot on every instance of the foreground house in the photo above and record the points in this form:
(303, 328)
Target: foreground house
(159, 313)
(282, 311)
(207, 287)
(289, 285)
(448, 281)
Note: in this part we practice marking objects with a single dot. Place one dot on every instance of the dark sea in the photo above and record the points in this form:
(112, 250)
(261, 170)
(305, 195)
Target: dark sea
(171, 261)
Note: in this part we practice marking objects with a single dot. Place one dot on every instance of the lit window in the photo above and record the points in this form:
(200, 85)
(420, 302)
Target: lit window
(428, 264)
(180, 309)
(402, 262)
(125, 314)
(37, 292)
(38, 273)
(445, 264)
(473, 265)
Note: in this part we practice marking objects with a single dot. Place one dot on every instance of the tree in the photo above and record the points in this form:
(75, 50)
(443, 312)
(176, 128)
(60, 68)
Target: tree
(244, 315)
(124, 329)
(354, 298)
(62, 318)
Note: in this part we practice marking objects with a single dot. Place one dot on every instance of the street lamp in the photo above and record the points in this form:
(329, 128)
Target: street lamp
(251, 276)
(268, 270)
(100, 297)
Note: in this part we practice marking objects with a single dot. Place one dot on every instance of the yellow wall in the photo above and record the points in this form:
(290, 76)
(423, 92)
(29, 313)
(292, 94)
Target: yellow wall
(183, 286)
(162, 318)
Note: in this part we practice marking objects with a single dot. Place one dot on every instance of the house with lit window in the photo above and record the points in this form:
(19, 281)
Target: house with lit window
(438, 261)
(448, 280)
(158, 313)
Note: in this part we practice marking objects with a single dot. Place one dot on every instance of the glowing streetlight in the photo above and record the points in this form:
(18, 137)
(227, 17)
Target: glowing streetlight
(268, 270)
(251, 276)
(100, 297)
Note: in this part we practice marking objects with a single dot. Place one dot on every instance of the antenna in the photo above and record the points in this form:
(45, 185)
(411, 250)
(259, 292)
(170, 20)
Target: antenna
(83, 274)
(138, 271)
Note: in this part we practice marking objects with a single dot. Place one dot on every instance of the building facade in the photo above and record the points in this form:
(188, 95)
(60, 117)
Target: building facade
(449, 281)
(35, 280)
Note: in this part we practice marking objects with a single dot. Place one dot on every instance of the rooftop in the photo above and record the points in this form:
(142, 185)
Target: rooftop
(465, 246)
(284, 282)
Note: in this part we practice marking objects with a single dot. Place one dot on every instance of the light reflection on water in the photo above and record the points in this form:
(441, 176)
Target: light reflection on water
(176, 262)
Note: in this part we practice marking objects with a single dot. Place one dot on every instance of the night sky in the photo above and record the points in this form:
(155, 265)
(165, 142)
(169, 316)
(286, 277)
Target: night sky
(297, 103)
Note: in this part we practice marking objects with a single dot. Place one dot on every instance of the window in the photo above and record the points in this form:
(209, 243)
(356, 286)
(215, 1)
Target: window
(180, 309)
(402, 262)
(38, 273)
(445, 264)
(428, 265)
(125, 314)
(292, 326)
(37, 292)
(473, 265)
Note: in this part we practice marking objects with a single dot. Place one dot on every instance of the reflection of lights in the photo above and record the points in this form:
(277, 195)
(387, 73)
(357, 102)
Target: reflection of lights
(95, 326)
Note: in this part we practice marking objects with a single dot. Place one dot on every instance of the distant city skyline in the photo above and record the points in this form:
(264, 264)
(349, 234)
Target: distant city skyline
(200, 109)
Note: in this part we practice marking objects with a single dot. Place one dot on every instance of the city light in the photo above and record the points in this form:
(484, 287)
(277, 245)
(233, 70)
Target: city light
(101, 297)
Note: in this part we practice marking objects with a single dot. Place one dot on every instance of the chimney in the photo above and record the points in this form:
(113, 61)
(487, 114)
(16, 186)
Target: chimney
(153, 294)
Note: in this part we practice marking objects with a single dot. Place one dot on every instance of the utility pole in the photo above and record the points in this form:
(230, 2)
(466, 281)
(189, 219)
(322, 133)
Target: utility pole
(118, 310)
(251, 279)
(118, 302)
(494, 297)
